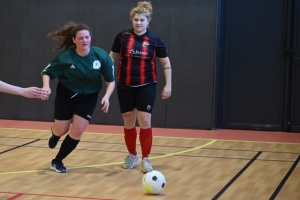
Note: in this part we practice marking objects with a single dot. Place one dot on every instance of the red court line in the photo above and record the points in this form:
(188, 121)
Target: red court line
(14, 197)
(220, 134)
(17, 195)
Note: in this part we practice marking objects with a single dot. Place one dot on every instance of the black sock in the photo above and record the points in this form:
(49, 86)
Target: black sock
(67, 146)
(56, 137)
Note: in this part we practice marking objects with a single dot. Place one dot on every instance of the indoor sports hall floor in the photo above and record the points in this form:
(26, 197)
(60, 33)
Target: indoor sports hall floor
(197, 164)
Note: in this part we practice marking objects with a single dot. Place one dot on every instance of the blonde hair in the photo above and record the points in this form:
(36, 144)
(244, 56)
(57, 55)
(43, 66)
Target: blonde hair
(66, 34)
(143, 7)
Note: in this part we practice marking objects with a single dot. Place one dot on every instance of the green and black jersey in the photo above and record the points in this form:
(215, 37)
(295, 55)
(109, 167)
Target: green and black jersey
(81, 74)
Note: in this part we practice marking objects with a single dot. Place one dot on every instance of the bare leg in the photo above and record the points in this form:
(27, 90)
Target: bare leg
(144, 120)
(70, 142)
(130, 136)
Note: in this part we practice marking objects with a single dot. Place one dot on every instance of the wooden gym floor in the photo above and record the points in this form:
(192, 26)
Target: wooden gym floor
(197, 164)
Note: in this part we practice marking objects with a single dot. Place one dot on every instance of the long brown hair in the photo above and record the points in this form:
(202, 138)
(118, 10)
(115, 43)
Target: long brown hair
(66, 34)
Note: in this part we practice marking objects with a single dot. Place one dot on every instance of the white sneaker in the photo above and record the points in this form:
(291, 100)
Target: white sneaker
(130, 161)
(146, 165)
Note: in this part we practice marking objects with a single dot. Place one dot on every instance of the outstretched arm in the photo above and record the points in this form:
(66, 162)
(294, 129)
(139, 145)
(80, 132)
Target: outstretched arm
(29, 92)
(167, 91)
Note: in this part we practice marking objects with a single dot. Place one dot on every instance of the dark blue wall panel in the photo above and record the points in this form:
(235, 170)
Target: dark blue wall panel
(192, 49)
(10, 36)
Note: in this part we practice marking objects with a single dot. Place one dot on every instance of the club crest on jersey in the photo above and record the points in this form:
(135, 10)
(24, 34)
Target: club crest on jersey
(96, 64)
(145, 44)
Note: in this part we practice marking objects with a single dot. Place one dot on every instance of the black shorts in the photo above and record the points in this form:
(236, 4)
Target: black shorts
(142, 98)
(68, 103)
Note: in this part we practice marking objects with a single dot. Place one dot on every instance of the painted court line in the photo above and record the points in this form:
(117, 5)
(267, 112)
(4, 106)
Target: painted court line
(17, 195)
(121, 134)
(115, 163)
(19, 146)
(285, 179)
(236, 176)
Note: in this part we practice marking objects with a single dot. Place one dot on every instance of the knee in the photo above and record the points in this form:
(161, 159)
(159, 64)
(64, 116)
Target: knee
(76, 133)
(145, 123)
(144, 120)
(129, 119)
(60, 131)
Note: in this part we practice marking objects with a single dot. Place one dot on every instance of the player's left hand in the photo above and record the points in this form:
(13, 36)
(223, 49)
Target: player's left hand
(105, 102)
(167, 91)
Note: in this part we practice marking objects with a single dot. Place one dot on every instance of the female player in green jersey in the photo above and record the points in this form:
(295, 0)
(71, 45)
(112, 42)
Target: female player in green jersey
(79, 68)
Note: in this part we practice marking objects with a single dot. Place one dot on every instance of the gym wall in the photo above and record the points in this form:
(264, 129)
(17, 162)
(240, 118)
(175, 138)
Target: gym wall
(188, 29)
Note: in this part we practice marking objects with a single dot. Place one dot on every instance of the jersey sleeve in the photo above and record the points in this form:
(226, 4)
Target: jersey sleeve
(161, 50)
(117, 44)
(107, 70)
(54, 68)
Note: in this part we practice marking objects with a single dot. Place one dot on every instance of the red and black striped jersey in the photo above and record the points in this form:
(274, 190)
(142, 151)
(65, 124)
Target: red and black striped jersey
(137, 64)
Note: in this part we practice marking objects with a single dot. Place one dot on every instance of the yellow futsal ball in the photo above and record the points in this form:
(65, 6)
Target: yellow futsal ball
(154, 182)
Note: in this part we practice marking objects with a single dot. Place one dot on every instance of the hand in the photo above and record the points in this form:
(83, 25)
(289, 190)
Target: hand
(48, 92)
(105, 107)
(166, 93)
(34, 92)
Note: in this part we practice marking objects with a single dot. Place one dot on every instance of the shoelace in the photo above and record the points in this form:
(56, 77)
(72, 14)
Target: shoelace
(60, 163)
(129, 159)
(146, 162)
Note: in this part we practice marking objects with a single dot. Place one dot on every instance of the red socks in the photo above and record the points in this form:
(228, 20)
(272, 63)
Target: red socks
(130, 140)
(130, 136)
(146, 141)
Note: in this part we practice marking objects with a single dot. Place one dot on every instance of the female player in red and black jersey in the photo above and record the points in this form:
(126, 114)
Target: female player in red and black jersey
(137, 49)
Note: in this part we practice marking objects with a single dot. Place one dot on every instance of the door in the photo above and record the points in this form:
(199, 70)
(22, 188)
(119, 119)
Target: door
(254, 65)
(295, 57)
